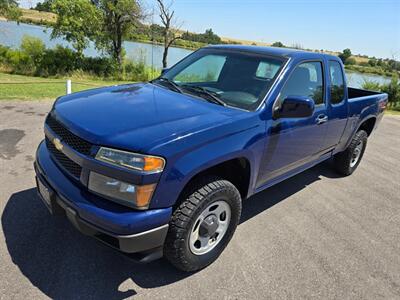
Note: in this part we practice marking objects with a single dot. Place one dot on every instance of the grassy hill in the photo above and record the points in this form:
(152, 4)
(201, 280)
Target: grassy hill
(37, 17)
(243, 42)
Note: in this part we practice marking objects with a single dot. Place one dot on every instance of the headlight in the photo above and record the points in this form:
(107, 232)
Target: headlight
(145, 163)
(136, 196)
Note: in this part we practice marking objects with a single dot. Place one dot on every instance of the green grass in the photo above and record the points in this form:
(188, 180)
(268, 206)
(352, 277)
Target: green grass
(19, 87)
(392, 112)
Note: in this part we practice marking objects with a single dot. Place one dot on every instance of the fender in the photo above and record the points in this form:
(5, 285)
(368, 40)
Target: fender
(366, 114)
(244, 144)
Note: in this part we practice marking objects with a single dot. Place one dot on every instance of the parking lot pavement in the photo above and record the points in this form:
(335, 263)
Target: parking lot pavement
(315, 235)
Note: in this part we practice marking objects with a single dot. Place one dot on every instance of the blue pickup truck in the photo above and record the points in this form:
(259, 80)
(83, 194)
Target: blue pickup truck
(161, 168)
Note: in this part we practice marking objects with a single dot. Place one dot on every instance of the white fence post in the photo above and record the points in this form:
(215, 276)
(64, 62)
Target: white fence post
(69, 86)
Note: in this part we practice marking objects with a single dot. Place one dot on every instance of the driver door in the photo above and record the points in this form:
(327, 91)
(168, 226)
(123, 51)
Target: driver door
(293, 142)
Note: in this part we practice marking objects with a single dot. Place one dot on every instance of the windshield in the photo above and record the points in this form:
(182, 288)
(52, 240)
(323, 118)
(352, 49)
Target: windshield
(238, 79)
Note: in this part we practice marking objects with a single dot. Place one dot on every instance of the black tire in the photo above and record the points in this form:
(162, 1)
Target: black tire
(343, 160)
(199, 197)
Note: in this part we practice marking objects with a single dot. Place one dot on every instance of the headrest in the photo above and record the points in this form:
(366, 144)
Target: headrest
(301, 74)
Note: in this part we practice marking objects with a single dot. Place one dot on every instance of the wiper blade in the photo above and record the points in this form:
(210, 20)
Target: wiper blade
(170, 82)
(211, 97)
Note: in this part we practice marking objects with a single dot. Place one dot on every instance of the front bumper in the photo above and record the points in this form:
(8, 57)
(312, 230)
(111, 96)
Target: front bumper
(120, 227)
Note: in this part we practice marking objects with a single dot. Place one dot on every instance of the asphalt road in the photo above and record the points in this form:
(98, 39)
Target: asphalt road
(313, 236)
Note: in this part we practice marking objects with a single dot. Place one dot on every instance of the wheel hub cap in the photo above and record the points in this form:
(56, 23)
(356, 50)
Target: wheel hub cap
(356, 154)
(209, 226)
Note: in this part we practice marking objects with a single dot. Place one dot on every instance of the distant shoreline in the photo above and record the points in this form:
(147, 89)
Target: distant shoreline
(39, 18)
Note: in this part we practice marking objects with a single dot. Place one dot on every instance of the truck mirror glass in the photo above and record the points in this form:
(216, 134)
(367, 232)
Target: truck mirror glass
(296, 107)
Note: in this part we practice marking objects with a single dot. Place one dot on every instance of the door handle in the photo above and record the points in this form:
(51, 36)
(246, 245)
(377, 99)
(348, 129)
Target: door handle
(321, 119)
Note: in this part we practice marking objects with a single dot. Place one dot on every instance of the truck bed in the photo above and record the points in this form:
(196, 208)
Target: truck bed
(356, 93)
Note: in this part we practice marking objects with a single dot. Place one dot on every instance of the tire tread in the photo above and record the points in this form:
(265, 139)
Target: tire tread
(342, 160)
(174, 247)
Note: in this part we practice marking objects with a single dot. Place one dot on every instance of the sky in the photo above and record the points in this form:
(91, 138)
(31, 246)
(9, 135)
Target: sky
(370, 27)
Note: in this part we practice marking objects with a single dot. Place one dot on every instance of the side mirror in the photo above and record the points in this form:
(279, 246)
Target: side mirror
(164, 70)
(295, 107)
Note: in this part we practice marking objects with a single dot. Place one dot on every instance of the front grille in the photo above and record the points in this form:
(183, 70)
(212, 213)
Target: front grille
(70, 166)
(67, 137)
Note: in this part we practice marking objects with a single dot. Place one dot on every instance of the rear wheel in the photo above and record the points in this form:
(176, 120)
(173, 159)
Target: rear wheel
(203, 224)
(346, 162)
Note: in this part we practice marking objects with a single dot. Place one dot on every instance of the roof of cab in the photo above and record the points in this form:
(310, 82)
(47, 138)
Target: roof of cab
(274, 51)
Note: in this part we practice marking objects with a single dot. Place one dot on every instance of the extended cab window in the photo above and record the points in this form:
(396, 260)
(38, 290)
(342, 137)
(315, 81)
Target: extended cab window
(306, 81)
(337, 82)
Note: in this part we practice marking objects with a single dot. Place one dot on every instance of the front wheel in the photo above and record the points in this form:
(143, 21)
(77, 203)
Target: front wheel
(347, 161)
(203, 224)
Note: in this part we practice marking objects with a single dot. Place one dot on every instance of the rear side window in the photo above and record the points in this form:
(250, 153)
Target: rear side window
(306, 80)
(337, 82)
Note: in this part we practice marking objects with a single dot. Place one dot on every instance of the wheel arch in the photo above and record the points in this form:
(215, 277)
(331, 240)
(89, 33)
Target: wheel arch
(236, 170)
(367, 125)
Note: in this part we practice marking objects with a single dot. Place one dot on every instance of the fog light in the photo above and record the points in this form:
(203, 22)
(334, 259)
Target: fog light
(136, 196)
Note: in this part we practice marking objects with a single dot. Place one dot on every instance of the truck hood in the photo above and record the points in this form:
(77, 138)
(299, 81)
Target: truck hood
(137, 117)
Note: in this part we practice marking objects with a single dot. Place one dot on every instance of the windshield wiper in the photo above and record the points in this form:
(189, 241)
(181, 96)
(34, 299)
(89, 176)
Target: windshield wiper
(170, 82)
(199, 90)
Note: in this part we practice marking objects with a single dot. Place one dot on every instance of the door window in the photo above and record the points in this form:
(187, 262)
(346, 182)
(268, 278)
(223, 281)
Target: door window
(306, 81)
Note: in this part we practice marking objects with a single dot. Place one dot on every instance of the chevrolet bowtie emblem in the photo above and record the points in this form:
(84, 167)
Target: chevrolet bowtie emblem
(57, 143)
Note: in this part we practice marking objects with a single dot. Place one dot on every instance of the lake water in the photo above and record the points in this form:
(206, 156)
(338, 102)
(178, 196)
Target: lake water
(11, 35)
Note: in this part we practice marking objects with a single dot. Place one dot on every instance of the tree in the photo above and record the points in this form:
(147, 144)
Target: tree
(33, 47)
(350, 61)
(278, 44)
(297, 46)
(9, 9)
(77, 22)
(372, 62)
(393, 91)
(345, 55)
(168, 21)
(208, 37)
(46, 5)
(119, 18)
(105, 22)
